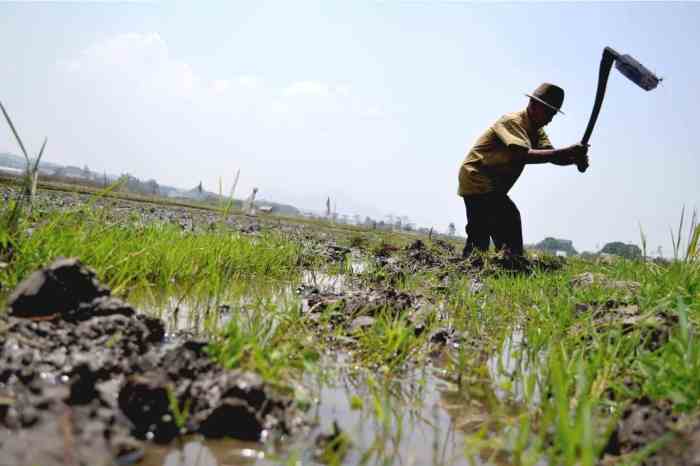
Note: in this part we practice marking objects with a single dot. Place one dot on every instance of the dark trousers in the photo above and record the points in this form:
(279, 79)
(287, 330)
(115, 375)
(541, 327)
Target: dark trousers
(492, 216)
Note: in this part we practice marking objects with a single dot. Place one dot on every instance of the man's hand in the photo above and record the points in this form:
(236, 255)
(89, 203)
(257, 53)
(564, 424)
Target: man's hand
(573, 154)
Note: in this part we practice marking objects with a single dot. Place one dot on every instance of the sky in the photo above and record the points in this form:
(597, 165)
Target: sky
(374, 104)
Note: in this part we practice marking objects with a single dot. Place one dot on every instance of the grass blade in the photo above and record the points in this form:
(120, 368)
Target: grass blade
(14, 131)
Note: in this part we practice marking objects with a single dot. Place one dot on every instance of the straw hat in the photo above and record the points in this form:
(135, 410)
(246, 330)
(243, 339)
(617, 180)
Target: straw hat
(550, 95)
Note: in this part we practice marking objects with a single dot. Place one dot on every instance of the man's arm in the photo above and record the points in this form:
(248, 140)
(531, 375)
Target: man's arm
(564, 156)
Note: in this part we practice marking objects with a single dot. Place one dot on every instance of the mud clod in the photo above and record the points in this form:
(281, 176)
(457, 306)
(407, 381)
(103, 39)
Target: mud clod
(656, 325)
(77, 363)
(56, 289)
(645, 421)
(144, 400)
(588, 279)
(232, 418)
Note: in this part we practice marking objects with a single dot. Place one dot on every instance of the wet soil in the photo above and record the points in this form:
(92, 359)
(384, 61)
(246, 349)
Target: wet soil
(675, 439)
(655, 325)
(85, 379)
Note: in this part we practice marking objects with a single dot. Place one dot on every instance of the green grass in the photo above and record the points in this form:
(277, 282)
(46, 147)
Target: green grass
(564, 378)
(567, 377)
(258, 339)
(132, 256)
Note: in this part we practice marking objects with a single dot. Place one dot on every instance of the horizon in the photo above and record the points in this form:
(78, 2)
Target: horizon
(374, 105)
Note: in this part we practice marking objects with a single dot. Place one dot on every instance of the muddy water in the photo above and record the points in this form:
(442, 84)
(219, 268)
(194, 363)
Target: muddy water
(416, 419)
(204, 315)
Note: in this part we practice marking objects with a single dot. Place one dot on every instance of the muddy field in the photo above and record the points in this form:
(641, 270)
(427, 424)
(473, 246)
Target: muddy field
(321, 344)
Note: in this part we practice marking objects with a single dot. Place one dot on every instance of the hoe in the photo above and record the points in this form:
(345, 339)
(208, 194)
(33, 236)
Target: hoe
(628, 66)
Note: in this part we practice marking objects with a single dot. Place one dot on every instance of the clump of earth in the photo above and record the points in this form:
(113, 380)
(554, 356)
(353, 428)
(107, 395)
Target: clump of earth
(85, 379)
(645, 422)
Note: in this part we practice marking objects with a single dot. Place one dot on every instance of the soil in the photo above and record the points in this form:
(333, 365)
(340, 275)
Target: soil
(588, 279)
(655, 325)
(645, 421)
(86, 380)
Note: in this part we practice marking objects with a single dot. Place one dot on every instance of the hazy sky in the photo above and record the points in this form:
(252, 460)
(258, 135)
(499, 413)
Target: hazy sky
(374, 104)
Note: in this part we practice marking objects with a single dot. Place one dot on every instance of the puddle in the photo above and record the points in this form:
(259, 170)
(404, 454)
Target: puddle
(196, 452)
(416, 419)
(202, 316)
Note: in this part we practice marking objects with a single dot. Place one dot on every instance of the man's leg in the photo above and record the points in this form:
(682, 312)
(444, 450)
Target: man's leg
(507, 228)
(477, 224)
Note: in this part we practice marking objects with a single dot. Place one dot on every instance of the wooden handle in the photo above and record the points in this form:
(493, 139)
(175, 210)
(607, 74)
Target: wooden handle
(609, 56)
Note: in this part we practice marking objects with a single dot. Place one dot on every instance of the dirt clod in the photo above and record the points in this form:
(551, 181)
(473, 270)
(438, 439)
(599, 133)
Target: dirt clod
(56, 289)
(588, 279)
(645, 421)
(82, 367)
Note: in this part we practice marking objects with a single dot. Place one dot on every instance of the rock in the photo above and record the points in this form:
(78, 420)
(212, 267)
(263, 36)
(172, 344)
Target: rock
(55, 290)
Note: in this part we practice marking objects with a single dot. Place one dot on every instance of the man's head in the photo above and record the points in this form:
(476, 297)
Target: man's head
(545, 102)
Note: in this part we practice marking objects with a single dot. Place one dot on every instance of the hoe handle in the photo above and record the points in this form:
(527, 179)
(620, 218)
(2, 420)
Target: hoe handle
(609, 56)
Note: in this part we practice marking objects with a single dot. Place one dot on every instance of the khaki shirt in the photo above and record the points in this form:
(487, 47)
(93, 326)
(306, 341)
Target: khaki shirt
(493, 164)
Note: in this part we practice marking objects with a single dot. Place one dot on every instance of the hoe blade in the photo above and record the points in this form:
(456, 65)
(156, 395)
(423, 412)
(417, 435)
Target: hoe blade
(636, 72)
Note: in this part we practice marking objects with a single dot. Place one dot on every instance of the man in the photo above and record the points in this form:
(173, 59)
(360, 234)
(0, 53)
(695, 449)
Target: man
(495, 163)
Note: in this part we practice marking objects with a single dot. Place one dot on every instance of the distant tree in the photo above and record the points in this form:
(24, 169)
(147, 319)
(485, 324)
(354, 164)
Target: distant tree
(618, 248)
(451, 229)
(152, 186)
(553, 245)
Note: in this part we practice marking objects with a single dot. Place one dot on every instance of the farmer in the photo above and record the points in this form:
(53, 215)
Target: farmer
(495, 163)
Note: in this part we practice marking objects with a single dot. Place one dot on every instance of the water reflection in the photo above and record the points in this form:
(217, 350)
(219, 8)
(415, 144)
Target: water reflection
(197, 452)
(417, 418)
(201, 316)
